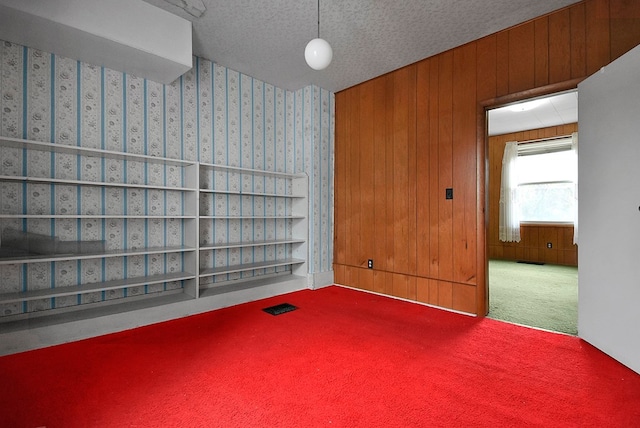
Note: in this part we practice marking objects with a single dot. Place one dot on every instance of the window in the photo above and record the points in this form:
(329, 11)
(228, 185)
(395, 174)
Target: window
(547, 173)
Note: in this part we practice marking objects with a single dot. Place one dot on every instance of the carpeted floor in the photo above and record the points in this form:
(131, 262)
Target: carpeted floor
(344, 358)
(543, 296)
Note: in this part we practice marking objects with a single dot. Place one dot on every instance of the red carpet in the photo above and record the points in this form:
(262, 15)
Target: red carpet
(345, 358)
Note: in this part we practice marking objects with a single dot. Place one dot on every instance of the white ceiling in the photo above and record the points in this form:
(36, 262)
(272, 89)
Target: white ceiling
(266, 39)
(559, 109)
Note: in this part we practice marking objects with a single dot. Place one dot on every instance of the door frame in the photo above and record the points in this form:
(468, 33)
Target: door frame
(482, 168)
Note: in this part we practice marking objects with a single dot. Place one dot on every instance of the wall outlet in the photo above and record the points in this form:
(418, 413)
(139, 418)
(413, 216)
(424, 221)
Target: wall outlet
(370, 263)
(549, 245)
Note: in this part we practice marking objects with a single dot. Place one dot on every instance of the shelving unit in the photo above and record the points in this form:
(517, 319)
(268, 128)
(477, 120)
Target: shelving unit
(56, 200)
(99, 241)
(253, 227)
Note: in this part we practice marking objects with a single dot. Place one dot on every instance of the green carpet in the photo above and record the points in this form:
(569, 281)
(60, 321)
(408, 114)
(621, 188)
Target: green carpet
(543, 296)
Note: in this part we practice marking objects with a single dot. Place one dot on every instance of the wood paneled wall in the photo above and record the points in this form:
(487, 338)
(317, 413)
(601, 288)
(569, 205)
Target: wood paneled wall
(534, 238)
(405, 137)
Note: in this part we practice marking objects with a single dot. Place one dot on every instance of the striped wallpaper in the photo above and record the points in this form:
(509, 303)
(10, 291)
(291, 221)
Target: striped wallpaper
(211, 114)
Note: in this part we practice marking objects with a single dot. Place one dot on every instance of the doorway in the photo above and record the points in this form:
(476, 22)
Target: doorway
(532, 280)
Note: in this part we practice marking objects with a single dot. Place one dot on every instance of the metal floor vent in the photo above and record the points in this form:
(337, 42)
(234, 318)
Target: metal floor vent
(280, 309)
(531, 263)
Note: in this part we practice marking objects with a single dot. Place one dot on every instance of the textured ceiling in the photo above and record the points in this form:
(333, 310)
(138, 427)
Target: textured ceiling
(266, 39)
(559, 109)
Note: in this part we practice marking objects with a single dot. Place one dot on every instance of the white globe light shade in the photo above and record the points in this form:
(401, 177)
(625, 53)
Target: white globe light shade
(318, 54)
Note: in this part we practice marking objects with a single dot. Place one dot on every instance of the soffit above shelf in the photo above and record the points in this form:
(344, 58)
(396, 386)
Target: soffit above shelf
(130, 36)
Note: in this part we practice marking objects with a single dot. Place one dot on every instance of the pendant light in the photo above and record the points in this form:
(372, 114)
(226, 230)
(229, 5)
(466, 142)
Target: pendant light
(318, 52)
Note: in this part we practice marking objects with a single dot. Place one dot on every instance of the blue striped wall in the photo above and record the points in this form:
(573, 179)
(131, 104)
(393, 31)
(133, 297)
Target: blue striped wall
(210, 114)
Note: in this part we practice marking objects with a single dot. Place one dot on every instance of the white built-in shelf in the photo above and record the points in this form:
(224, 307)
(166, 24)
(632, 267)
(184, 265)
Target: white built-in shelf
(84, 151)
(293, 190)
(103, 254)
(252, 217)
(39, 180)
(93, 287)
(289, 192)
(225, 245)
(95, 216)
(221, 287)
(249, 171)
(182, 173)
(249, 267)
(245, 193)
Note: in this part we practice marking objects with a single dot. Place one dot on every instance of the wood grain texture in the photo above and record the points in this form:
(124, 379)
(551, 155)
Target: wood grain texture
(434, 169)
(422, 290)
(366, 176)
(541, 52)
(427, 133)
(502, 63)
(340, 171)
(578, 41)
(625, 26)
(486, 79)
(365, 279)
(463, 297)
(560, 46)
(522, 57)
(445, 166)
(389, 171)
(464, 165)
(423, 254)
(380, 250)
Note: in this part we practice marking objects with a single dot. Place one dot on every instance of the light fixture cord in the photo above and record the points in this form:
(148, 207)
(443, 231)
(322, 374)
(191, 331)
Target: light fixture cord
(318, 18)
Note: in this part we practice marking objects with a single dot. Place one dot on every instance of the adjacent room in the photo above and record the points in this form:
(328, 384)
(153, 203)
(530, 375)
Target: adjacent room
(533, 212)
(312, 213)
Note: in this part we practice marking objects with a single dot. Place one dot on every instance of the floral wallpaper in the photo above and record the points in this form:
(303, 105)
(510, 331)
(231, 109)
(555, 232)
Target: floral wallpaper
(211, 114)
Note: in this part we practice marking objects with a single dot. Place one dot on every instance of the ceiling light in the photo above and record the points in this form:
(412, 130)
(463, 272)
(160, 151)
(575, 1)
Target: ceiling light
(529, 105)
(318, 52)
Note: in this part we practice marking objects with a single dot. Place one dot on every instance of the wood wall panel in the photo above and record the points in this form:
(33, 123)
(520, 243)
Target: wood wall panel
(433, 292)
(404, 120)
(464, 165)
(560, 46)
(541, 52)
(351, 276)
(445, 165)
(486, 49)
(434, 169)
(463, 297)
(423, 254)
(366, 173)
(445, 294)
(428, 135)
(338, 274)
(578, 41)
(365, 279)
(352, 223)
(340, 197)
(502, 63)
(404, 286)
(379, 144)
(521, 57)
(625, 27)
(412, 177)
(389, 171)
(597, 34)
(422, 290)
(379, 282)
